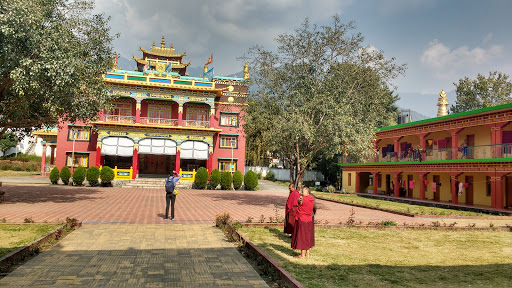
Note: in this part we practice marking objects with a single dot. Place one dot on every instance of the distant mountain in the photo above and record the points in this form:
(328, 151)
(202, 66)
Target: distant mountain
(415, 116)
(126, 64)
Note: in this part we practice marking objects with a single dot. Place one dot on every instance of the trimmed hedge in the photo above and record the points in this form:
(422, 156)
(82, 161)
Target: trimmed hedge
(79, 176)
(270, 176)
(54, 175)
(226, 180)
(92, 175)
(215, 179)
(65, 174)
(106, 176)
(201, 179)
(250, 180)
(238, 180)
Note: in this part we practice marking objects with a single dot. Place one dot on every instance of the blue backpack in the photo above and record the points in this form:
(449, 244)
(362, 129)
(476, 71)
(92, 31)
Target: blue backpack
(169, 184)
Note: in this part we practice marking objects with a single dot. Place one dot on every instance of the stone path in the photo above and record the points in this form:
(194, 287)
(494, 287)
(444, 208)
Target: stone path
(138, 255)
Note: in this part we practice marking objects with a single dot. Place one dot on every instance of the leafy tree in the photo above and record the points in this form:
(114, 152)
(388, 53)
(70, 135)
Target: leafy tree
(8, 141)
(65, 174)
(201, 179)
(92, 175)
(238, 180)
(79, 176)
(250, 180)
(106, 176)
(482, 92)
(321, 93)
(226, 180)
(215, 178)
(54, 175)
(52, 54)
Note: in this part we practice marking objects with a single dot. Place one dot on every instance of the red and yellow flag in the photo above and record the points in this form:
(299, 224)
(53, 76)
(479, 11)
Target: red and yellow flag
(209, 60)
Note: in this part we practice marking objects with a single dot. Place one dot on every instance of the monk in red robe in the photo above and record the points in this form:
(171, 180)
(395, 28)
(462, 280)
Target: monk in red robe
(291, 209)
(303, 235)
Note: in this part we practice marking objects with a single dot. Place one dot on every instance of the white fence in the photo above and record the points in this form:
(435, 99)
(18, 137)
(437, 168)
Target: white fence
(284, 174)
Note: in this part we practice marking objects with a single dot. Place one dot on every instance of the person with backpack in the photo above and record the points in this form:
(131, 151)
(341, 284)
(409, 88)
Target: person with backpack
(170, 194)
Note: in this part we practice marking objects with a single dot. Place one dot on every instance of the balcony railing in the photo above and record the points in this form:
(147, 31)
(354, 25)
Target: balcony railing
(196, 123)
(120, 119)
(159, 121)
(469, 152)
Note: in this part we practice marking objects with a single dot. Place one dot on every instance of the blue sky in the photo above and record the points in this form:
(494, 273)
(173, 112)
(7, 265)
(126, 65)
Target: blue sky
(441, 41)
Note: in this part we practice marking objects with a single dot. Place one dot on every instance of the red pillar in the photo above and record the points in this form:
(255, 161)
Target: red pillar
(423, 187)
(135, 161)
(497, 138)
(454, 188)
(497, 189)
(52, 156)
(43, 159)
(423, 144)
(358, 181)
(209, 163)
(397, 147)
(177, 162)
(375, 182)
(212, 117)
(98, 154)
(137, 115)
(396, 183)
(180, 116)
(455, 143)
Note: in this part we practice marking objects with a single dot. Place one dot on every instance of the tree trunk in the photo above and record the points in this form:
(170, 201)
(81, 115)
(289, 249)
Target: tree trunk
(300, 176)
(292, 167)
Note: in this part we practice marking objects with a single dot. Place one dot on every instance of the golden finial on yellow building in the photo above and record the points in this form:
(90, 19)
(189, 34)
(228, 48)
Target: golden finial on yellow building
(246, 70)
(205, 70)
(153, 43)
(172, 48)
(443, 104)
(163, 42)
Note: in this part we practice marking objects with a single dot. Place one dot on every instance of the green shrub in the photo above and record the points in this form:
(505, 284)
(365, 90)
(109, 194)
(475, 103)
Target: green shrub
(388, 223)
(92, 175)
(238, 180)
(17, 168)
(215, 179)
(65, 174)
(331, 189)
(79, 176)
(54, 175)
(250, 180)
(106, 176)
(201, 179)
(6, 167)
(270, 176)
(226, 180)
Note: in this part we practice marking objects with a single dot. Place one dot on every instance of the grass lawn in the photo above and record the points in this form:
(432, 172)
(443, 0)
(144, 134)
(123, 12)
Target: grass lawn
(10, 173)
(400, 207)
(394, 258)
(13, 237)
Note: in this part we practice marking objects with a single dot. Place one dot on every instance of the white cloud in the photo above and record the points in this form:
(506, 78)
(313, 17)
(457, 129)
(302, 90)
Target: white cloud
(447, 62)
(488, 38)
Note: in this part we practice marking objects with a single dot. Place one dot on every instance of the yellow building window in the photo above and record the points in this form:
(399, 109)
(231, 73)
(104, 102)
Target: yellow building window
(159, 111)
(79, 133)
(227, 119)
(228, 141)
(78, 159)
(349, 179)
(227, 165)
(197, 114)
(121, 109)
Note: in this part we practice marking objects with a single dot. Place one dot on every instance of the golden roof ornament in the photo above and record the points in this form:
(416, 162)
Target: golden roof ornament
(246, 71)
(163, 42)
(205, 70)
(153, 43)
(443, 104)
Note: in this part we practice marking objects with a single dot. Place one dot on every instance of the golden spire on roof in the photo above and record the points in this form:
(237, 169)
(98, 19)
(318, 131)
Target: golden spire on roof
(172, 49)
(246, 70)
(163, 42)
(443, 104)
(153, 43)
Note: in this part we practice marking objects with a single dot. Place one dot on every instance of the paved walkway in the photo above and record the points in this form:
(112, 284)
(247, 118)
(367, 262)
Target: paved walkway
(140, 255)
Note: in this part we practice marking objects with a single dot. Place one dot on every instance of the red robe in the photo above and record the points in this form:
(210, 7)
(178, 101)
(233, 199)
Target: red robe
(303, 234)
(290, 211)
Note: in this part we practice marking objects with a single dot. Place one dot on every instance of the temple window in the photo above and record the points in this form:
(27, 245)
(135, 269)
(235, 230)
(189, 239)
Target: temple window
(121, 109)
(229, 119)
(78, 159)
(225, 165)
(197, 114)
(228, 141)
(79, 133)
(349, 179)
(159, 111)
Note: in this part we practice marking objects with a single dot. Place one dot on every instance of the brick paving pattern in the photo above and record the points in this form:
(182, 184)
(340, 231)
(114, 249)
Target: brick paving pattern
(138, 255)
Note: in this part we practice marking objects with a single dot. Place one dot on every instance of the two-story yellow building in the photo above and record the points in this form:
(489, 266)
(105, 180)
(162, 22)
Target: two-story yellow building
(463, 158)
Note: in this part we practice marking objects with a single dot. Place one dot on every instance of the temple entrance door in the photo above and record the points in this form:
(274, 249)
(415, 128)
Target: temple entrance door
(437, 193)
(410, 192)
(469, 190)
(508, 192)
(151, 164)
(156, 164)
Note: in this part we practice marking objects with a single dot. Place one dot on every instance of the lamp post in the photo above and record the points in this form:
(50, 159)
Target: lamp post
(232, 166)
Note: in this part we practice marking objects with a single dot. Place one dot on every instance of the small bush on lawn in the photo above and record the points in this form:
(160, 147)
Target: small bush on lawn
(201, 179)
(215, 178)
(65, 174)
(106, 176)
(92, 175)
(270, 176)
(250, 180)
(331, 189)
(6, 167)
(238, 180)
(54, 175)
(388, 223)
(226, 180)
(79, 176)
(17, 168)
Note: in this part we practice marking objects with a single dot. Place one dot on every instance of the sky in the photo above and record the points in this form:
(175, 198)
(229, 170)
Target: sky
(440, 41)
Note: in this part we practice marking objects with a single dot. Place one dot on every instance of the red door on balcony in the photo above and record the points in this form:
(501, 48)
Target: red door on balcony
(471, 144)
